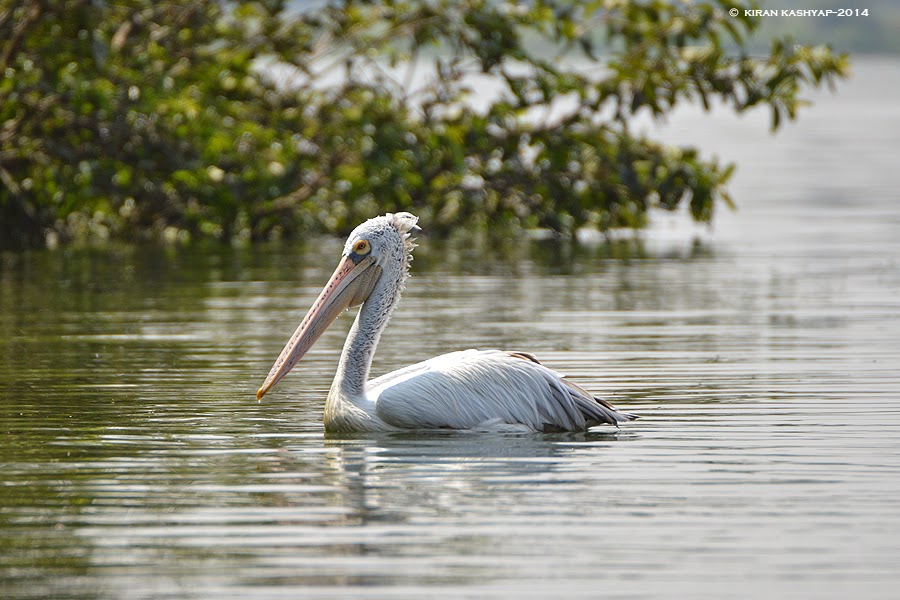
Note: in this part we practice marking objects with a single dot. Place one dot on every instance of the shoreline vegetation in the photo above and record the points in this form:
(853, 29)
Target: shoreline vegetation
(246, 121)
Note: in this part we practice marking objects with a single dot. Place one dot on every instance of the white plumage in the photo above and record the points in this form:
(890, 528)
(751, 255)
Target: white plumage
(467, 390)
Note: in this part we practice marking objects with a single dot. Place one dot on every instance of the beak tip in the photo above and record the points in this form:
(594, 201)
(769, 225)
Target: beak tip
(260, 393)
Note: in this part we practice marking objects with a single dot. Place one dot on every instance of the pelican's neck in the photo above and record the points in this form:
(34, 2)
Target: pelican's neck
(356, 359)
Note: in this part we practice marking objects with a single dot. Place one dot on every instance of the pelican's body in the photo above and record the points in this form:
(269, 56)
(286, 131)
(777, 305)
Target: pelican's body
(467, 390)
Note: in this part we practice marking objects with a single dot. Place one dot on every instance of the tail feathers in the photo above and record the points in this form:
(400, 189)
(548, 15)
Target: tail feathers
(597, 410)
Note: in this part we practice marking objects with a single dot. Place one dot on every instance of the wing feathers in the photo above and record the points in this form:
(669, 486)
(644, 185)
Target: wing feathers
(464, 390)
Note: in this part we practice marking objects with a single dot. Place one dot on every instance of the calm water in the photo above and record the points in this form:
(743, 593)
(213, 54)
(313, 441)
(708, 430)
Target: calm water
(764, 358)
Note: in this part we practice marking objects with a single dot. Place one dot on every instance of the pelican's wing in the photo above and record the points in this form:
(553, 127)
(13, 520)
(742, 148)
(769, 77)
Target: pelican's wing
(468, 389)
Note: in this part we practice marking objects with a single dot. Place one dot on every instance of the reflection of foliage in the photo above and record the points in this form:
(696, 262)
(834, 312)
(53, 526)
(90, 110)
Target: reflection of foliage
(141, 118)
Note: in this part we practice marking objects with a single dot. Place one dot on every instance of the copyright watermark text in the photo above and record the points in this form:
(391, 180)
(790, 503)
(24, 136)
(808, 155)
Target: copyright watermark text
(800, 12)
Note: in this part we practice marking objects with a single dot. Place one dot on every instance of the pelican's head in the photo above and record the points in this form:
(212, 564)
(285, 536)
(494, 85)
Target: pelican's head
(379, 247)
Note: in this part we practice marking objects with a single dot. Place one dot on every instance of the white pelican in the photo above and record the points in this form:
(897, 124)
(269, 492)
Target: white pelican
(471, 389)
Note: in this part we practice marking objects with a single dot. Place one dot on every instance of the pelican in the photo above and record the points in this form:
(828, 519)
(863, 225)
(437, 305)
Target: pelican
(474, 390)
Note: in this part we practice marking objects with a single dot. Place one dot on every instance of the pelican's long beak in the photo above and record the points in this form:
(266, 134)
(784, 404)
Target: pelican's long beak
(351, 284)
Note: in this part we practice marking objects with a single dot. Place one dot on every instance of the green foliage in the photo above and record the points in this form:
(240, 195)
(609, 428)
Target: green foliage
(243, 120)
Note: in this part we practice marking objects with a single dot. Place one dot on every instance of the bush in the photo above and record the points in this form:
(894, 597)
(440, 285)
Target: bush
(244, 120)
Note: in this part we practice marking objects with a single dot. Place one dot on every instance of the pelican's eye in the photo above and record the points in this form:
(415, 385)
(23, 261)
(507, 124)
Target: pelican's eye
(362, 247)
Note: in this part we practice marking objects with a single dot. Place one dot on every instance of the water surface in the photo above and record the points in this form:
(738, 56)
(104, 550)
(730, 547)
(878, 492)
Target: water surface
(763, 358)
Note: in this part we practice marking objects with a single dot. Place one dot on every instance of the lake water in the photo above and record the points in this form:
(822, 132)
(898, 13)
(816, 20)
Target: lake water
(763, 356)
